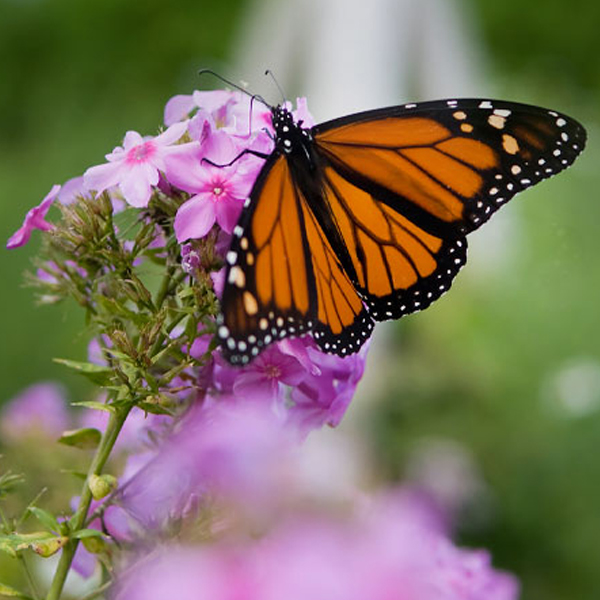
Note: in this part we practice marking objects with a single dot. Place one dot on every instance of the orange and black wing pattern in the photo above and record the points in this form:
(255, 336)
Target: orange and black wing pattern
(283, 277)
(406, 184)
(364, 218)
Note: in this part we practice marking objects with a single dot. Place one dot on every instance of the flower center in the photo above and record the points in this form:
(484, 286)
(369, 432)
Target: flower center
(217, 190)
(140, 153)
(273, 372)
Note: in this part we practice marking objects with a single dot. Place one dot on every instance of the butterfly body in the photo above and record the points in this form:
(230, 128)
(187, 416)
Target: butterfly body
(363, 218)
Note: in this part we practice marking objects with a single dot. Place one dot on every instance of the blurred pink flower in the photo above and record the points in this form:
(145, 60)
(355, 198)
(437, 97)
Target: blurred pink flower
(35, 219)
(235, 451)
(40, 409)
(387, 551)
(134, 167)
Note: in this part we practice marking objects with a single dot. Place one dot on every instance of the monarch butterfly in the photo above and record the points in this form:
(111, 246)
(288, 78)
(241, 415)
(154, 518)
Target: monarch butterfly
(364, 218)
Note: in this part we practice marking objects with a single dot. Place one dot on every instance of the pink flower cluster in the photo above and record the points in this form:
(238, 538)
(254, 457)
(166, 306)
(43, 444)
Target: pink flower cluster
(205, 128)
(389, 550)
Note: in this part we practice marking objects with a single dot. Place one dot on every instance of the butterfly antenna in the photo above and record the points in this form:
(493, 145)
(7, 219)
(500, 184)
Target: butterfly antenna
(234, 85)
(270, 74)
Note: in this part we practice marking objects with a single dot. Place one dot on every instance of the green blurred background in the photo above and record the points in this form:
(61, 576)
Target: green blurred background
(506, 367)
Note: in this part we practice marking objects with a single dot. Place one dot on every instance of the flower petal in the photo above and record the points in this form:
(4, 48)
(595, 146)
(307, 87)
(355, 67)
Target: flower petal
(102, 177)
(34, 219)
(178, 108)
(194, 219)
(227, 212)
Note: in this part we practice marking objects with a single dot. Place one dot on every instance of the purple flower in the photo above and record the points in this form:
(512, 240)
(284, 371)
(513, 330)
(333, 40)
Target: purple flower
(219, 192)
(135, 166)
(35, 219)
(190, 259)
(238, 452)
(262, 378)
(323, 397)
(215, 103)
(386, 551)
(38, 410)
(71, 189)
(191, 574)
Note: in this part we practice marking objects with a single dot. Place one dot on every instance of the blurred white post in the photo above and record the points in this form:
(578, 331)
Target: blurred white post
(349, 55)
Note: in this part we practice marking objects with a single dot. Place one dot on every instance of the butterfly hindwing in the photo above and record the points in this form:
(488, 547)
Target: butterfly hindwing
(398, 267)
(283, 277)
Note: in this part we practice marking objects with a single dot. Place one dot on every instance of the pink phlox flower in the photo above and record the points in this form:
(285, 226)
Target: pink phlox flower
(216, 103)
(386, 553)
(178, 108)
(465, 574)
(135, 167)
(161, 486)
(201, 126)
(224, 376)
(34, 219)
(72, 189)
(40, 409)
(323, 399)
(192, 574)
(219, 192)
(298, 348)
(190, 259)
(243, 123)
(302, 113)
(237, 452)
(264, 377)
(218, 281)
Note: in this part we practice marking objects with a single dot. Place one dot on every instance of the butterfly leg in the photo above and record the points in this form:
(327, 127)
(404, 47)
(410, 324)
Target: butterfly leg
(242, 153)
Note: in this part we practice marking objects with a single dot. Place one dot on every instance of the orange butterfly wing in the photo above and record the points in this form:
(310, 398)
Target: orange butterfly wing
(405, 185)
(283, 276)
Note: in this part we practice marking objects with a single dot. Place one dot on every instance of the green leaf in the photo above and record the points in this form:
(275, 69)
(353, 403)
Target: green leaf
(95, 373)
(7, 547)
(46, 548)
(86, 533)
(9, 481)
(95, 544)
(41, 542)
(86, 438)
(9, 592)
(45, 518)
(95, 405)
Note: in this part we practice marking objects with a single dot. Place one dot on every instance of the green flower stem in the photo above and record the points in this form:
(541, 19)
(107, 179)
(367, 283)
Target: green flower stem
(107, 442)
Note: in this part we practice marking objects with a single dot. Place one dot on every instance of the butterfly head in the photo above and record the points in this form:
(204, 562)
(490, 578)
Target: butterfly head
(289, 134)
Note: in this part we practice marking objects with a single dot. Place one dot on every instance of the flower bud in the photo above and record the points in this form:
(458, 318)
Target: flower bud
(101, 485)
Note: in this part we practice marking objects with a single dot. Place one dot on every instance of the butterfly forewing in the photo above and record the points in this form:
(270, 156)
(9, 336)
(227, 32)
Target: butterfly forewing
(449, 165)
